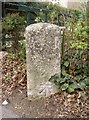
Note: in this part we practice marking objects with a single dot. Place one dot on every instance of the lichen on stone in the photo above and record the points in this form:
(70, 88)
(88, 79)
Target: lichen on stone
(43, 46)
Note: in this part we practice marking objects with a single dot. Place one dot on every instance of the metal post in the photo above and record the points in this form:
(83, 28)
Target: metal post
(3, 36)
(45, 17)
(28, 18)
(63, 43)
(0, 10)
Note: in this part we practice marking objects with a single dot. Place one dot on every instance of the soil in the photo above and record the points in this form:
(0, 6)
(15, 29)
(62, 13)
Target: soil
(59, 105)
(55, 106)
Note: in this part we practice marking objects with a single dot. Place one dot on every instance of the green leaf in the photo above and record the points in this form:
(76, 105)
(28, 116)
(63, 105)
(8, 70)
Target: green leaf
(63, 71)
(87, 81)
(74, 85)
(82, 85)
(54, 78)
(64, 86)
(62, 80)
(79, 71)
(57, 80)
(79, 77)
(71, 80)
(66, 63)
(70, 89)
(83, 95)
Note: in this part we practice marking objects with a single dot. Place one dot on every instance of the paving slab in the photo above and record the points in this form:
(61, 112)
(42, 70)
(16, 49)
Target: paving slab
(7, 113)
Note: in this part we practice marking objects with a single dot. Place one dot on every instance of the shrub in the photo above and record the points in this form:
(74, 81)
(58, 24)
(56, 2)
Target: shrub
(74, 74)
(12, 21)
(13, 27)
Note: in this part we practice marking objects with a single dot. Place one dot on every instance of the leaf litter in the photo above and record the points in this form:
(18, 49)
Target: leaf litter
(75, 105)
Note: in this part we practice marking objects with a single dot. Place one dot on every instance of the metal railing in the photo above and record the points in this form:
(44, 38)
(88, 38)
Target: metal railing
(28, 10)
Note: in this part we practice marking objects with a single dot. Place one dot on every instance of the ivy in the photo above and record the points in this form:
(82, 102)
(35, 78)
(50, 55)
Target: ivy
(74, 73)
(69, 84)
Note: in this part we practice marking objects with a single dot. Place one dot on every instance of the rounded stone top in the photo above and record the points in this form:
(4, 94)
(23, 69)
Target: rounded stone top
(38, 26)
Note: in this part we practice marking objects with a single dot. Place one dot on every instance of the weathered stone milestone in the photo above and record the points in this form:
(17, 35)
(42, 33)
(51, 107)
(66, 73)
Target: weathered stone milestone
(43, 53)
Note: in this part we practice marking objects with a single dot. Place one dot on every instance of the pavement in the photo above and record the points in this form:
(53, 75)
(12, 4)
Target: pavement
(7, 113)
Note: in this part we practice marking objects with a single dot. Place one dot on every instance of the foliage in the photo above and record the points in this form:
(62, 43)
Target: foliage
(13, 27)
(38, 19)
(22, 50)
(12, 22)
(55, 9)
(74, 63)
(69, 82)
(74, 74)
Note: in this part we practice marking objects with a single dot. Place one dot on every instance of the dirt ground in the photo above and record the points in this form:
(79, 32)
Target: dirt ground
(55, 106)
(60, 105)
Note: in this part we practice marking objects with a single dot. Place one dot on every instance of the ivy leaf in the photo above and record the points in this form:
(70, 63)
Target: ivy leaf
(64, 86)
(62, 80)
(71, 81)
(63, 71)
(70, 89)
(82, 85)
(79, 77)
(74, 85)
(66, 63)
(79, 71)
(54, 78)
(87, 81)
